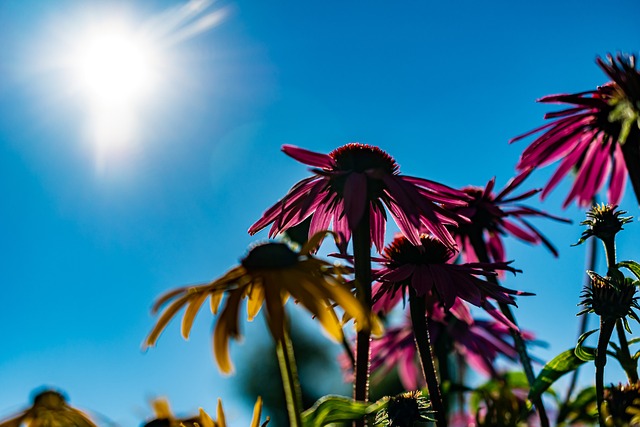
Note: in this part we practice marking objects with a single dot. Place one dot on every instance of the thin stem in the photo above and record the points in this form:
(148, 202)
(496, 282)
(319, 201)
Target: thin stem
(362, 265)
(629, 364)
(291, 385)
(479, 247)
(606, 329)
(610, 252)
(592, 260)
(418, 309)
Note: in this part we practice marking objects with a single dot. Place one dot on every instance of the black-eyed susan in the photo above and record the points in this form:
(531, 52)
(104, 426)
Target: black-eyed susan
(165, 418)
(268, 275)
(49, 409)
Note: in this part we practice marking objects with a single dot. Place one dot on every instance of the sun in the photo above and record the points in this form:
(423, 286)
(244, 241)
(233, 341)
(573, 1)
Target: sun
(115, 66)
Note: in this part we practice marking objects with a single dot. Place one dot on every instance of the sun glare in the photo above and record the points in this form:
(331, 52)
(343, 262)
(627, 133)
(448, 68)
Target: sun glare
(115, 67)
(118, 67)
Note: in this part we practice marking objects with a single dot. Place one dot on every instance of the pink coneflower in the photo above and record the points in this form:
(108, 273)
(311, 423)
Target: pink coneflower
(494, 216)
(596, 136)
(355, 176)
(480, 342)
(428, 271)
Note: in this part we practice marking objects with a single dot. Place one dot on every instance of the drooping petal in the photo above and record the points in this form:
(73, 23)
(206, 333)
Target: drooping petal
(225, 329)
(307, 157)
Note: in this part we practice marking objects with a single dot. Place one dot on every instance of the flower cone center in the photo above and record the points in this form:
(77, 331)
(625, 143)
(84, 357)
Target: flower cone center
(270, 256)
(402, 252)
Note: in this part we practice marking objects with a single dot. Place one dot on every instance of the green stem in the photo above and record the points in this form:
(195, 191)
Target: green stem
(592, 260)
(606, 329)
(629, 364)
(477, 242)
(418, 310)
(610, 251)
(362, 266)
(291, 385)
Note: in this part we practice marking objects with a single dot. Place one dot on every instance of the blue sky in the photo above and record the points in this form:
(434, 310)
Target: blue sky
(91, 237)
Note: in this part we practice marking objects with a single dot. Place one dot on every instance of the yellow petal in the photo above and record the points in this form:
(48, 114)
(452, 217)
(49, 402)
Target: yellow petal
(275, 311)
(205, 419)
(256, 298)
(215, 301)
(314, 242)
(161, 408)
(227, 327)
(220, 415)
(190, 314)
(257, 412)
(16, 421)
(166, 316)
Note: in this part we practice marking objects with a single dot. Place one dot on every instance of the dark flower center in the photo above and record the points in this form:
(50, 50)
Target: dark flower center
(360, 158)
(402, 252)
(483, 213)
(356, 157)
(49, 399)
(270, 256)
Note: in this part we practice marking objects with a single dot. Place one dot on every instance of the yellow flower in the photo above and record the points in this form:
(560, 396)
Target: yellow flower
(268, 275)
(49, 409)
(165, 417)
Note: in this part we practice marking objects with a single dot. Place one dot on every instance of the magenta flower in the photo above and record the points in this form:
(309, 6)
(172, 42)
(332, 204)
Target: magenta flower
(355, 176)
(427, 270)
(479, 342)
(494, 216)
(597, 135)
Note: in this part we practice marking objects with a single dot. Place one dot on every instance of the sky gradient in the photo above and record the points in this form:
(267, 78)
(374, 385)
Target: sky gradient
(90, 237)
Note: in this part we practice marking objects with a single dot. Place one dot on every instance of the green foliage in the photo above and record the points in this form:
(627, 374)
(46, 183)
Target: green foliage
(582, 409)
(333, 409)
(563, 363)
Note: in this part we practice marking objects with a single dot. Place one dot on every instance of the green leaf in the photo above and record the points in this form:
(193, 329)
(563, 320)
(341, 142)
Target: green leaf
(585, 353)
(632, 266)
(566, 361)
(333, 409)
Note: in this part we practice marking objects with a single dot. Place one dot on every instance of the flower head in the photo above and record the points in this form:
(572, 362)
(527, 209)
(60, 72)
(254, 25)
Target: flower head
(268, 275)
(49, 409)
(604, 222)
(598, 135)
(493, 216)
(611, 298)
(165, 418)
(480, 342)
(427, 270)
(404, 410)
(622, 405)
(351, 179)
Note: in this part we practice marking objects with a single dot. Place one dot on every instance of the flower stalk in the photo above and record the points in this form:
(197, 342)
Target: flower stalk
(290, 382)
(362, 265)
(606, 329)
(481, 252)
(419, 321)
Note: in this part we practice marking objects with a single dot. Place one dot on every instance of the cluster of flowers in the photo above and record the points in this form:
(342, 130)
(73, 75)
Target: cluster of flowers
(449, 255)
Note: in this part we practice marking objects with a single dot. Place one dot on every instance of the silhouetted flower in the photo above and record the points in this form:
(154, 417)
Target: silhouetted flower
(493, 216)
(49, 409)
(355, 176)
(428, 270)
(268, 275)
(622, 405)
(612, 298)
(604, 222)
(598, 135)
(404, 410)
(480, 342)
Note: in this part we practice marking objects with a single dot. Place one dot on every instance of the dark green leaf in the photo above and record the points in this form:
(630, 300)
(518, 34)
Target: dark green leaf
(565, 362)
